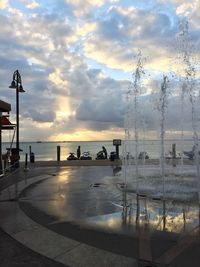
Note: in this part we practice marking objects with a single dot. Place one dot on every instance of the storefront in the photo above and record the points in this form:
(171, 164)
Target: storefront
(5, 124)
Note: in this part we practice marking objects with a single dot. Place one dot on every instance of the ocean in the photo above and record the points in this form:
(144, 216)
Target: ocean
(48, 150)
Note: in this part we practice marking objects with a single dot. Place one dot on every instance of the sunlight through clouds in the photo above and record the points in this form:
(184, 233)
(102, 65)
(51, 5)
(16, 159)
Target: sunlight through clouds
(76, 60)
(3, 4)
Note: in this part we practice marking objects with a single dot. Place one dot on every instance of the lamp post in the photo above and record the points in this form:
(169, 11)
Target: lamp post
(1, 172)
(17, 84)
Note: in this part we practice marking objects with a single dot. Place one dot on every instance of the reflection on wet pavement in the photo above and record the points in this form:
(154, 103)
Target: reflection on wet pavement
(97, 198)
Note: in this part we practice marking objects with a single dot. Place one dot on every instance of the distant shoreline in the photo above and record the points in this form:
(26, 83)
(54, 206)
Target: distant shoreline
(99, 141)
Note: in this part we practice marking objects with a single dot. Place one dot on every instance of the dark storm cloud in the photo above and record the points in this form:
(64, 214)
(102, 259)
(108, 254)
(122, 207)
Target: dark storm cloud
(101, 99)
(113, 28)
(80, 83)
(40, 116)
(100, 110)
(38, 106)
(93, 73)
(107, 110)
(103, 126)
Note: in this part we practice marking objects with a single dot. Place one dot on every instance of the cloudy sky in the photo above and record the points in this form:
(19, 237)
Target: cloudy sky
(76, 60)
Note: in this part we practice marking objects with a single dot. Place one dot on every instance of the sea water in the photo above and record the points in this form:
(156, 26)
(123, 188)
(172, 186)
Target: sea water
(48, 150)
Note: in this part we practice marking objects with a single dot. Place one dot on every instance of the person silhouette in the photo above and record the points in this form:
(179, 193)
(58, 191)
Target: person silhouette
(105, 152)
(78, 152)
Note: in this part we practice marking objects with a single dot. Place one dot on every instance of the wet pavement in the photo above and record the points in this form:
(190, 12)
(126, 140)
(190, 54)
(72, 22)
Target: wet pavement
(83, 211)
(14, 254)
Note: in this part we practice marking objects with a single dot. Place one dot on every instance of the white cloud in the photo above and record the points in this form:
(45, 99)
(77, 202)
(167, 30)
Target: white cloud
(68, 63)
(121, 33)
(187, 8)
(86, 3)
(82, 8)
(32, 5)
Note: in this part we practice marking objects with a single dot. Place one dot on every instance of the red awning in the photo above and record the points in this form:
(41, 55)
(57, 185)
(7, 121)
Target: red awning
(6, 124)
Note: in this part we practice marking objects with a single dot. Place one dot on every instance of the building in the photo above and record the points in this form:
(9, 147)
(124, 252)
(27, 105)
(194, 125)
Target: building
(5, 124)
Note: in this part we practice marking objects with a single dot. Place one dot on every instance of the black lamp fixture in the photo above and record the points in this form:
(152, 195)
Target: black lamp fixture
(17, 82)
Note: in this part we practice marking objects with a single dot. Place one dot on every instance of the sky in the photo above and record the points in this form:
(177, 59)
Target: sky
(77, 59)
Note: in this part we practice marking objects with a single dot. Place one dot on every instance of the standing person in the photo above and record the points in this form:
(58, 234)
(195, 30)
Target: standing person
(105, 152)
(78, 152)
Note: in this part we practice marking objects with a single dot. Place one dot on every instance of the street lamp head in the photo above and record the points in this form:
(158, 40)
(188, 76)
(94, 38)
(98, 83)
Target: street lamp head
(20, 89)
(13, 85)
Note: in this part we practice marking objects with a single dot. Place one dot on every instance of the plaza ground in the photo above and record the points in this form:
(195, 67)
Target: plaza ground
(30, 239)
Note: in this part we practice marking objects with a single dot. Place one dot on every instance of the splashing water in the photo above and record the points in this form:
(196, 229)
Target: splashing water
(162, 108)
(136, 93)
(150, 178)
(132, 120)
(189, 85)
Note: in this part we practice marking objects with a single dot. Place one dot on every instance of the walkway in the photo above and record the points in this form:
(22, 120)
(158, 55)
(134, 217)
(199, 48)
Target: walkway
(25, 242)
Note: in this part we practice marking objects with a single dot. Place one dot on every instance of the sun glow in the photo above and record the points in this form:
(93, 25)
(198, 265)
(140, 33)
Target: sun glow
(86, 135)
(3, 4)
(64, 110)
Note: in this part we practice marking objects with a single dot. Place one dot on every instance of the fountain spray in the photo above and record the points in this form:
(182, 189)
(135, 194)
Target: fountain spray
(189, 85)
(132, 120)
(136, 93)
(163, 107)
